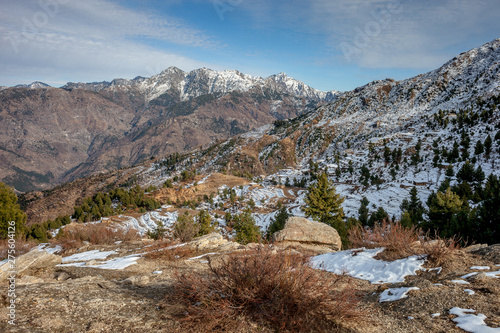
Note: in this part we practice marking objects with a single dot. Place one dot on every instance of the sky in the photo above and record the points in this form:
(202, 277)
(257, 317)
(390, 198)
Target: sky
(327, 44)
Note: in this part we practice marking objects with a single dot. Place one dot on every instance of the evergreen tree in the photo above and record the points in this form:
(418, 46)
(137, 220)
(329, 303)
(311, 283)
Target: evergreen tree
(205, 223)
(488, 213)
(277, 223)
(479, 148)
(379, 215)
(406, 220)
(246, 230)
(324, 204)
(478, 175)
(414, 207)
(449, 172)
(363, 212)
(466, 173)
(442, 207)
(11, 215)
(487, 145)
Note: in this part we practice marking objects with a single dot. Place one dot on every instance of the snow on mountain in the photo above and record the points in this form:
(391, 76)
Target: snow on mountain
(202, 81)
(34, 85)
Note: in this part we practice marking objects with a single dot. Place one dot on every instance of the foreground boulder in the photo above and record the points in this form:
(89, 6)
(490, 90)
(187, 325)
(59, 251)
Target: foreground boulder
(30, 262)
(313, 236)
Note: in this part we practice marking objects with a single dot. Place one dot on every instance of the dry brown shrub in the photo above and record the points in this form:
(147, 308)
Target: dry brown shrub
(401, 242)
(277, 290)
(73, 236)
(439, 250)
(169, 250)
(396, 239)
(21, 246)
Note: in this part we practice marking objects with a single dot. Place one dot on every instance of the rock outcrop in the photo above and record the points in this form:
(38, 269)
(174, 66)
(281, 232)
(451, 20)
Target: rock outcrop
(309, 235)
(32, 261)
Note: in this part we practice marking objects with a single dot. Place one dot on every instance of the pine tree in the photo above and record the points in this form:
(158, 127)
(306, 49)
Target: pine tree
(414, 207)
(466, 173)
(487, 145)
(442, 207)
(205, 223)
(324, 204)
(246, 229)
(11, 215)
(379, 215)
(277, 223)
(363, 211)
(479, 148)
(479, 175)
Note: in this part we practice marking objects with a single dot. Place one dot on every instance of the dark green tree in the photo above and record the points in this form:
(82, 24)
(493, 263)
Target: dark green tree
(246, 229)
(363, 212)
(277, 223)
(487, 145)
(324, 204)
(479, 149)
(11, 215)
(414, 207)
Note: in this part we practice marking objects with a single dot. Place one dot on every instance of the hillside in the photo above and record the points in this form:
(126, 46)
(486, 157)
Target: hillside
(53, 135)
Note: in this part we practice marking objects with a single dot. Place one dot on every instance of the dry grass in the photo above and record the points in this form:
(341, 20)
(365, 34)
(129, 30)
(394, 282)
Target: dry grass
(169, 250)
(73, 236)
(21, 246)
(401, 242)
(277, 290)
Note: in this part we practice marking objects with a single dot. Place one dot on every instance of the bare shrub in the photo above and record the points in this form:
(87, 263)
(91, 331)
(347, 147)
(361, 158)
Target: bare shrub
(21, 246)
(274, 289)
(169, 250)
(73, 236)
(439, 250)
(401, 242)
(396, 239)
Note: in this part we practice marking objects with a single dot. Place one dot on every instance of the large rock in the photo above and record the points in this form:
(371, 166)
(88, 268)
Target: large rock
(213, 242)
(30, 262)
(310, 235)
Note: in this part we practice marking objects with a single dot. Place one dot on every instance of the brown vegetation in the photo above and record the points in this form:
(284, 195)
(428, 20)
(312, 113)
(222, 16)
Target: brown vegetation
(270, 289)
(74, 235)
(401, 242)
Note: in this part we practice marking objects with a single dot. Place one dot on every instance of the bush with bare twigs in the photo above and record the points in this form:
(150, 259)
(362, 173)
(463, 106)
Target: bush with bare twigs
(401, 242)
(74, 235)
(277, 290)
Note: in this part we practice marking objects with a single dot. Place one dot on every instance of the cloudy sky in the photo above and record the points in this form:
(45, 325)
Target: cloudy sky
(327, 44)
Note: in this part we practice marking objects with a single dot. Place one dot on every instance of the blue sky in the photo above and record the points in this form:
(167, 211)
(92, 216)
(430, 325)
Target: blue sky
(327, 44)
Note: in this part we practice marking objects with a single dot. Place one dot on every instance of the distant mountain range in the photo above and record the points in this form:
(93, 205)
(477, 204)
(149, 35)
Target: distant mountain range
(52, 135)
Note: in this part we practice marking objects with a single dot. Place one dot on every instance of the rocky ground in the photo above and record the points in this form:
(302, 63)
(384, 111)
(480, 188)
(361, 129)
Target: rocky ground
(135, 299)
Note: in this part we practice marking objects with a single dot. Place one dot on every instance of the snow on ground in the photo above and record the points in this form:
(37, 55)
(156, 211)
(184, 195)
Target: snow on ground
(361, 264)
(470, 322)
(149, 221)
(394, 294)
(47, 248)
(116, 263)
(460, 281)
(88, 255)
(263, 220)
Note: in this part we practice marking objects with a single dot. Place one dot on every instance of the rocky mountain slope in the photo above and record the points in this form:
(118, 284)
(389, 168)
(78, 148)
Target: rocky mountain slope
(50, 135)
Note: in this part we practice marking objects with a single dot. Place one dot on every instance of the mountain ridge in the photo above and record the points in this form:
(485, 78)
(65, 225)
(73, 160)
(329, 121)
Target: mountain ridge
(168, 112)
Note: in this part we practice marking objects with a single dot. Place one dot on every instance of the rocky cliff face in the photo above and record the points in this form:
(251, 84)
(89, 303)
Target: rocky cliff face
(50, 135)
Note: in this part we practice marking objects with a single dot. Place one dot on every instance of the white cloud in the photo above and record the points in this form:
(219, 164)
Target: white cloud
(90, 40)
